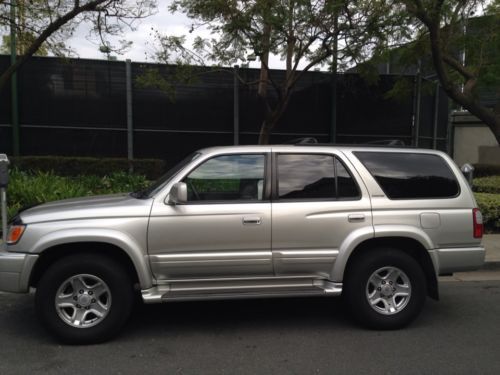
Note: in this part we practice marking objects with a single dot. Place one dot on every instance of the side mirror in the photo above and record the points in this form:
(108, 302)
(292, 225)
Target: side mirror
(468, 172)
(178, 193)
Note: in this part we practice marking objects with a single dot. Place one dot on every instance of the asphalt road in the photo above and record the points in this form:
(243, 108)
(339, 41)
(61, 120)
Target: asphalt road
(458, 335)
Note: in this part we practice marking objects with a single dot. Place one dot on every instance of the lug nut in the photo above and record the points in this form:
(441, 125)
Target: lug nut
(93, 300)
(393, 289)
(390, 282)
(90, 292)
(383, 282)
(87, 308)
(75, 298)
(78, 306)
(81, 291)
(379, 289)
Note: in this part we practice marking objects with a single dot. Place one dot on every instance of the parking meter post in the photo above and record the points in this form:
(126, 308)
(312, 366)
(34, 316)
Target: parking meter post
(3, 199)
(4, 181)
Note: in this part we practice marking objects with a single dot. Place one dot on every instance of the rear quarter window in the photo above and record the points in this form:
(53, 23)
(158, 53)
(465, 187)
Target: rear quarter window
(404, 175)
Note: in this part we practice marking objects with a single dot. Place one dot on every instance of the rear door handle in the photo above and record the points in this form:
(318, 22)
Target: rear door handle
(356, 218)
(252, 220)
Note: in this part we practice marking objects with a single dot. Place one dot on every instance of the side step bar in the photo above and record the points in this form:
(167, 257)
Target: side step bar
(219, 290)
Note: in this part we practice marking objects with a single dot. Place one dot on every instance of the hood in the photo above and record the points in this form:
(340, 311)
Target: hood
(103, 206)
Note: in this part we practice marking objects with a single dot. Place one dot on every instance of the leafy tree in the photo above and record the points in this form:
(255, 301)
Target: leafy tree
(304, 33)
(45, 25)
(464, 58)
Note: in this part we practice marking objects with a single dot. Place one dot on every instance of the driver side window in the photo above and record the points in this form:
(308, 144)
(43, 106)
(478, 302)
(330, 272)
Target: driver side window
(228, 178)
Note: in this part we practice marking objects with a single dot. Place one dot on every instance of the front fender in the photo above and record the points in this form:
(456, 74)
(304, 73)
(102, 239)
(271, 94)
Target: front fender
(110, 236)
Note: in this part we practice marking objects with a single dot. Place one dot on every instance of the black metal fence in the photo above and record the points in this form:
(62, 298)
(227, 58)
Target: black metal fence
(78, 107)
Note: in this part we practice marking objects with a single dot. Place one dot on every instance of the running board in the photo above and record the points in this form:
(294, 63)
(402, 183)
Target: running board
(242, 289)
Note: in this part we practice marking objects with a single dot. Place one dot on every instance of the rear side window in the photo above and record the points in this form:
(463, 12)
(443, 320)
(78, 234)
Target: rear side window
(410, 175)
(314, 176)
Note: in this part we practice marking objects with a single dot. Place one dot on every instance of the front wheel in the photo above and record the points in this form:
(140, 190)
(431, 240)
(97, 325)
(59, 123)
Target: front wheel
(385, 288)
(85, 298)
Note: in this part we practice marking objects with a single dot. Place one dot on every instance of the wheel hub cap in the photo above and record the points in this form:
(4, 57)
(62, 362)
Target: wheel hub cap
(388, 290)
(83, 300)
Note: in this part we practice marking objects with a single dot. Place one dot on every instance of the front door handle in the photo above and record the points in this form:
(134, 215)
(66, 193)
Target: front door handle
(252, 220)
(356, 218)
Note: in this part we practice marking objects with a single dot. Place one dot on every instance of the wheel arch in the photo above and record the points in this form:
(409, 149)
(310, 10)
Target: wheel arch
(408, 245)
(51, 254)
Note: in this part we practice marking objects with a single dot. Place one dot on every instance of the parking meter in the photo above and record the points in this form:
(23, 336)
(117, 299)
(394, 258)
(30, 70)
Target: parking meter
(4, 181)
(468, 172)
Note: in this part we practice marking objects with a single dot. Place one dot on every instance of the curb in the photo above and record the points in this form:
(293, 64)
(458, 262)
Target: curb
(491, 265)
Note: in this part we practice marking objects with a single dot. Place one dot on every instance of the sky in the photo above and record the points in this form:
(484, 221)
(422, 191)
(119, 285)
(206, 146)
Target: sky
(143, 41)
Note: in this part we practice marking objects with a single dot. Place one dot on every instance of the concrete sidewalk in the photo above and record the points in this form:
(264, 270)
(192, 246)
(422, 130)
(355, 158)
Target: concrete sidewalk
(491, 243)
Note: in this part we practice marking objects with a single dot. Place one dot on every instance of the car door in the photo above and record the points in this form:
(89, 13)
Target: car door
(224, 229)
(317, 203)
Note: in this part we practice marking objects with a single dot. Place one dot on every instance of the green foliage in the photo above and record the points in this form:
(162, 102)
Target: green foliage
(24, 40)
(489, 184)
(28, 189)
(75, 166)
(489, 204)
(181, 73)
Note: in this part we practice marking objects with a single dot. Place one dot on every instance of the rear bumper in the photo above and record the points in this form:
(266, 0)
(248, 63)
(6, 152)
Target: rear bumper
(15, 271)
(460, 259)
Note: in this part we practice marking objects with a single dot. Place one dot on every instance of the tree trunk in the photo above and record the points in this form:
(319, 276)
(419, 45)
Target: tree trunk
(465, 99)
(265, 133)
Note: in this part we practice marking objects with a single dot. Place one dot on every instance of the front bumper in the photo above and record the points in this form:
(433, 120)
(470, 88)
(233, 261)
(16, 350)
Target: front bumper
(15, 271)
(460, 259)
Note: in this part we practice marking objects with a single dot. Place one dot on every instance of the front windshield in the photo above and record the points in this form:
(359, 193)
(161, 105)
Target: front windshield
(158, 184)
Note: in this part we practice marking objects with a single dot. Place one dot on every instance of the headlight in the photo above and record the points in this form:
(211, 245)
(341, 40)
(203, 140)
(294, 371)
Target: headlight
(14, 233)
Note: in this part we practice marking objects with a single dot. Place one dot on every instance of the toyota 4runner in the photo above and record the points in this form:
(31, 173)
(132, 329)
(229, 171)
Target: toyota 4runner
(377, 225)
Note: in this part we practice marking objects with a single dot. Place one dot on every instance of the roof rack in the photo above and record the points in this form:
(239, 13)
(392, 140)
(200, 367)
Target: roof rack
(388, 142)
(311, 141)
(301, 141)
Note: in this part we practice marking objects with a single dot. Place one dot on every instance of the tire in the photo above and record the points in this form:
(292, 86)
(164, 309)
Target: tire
(84, 299)
(385, 288)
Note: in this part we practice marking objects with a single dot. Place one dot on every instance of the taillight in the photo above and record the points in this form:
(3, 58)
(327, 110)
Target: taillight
(477, 219)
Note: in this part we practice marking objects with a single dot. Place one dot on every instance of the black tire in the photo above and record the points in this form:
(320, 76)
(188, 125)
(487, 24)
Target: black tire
(358, 290)
(119, 291)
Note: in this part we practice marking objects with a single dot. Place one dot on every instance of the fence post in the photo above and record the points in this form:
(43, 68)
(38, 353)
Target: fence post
(416, 108)
(13, 81)
(236, 107)
(130, 124)
(436, 117)
(333, 122)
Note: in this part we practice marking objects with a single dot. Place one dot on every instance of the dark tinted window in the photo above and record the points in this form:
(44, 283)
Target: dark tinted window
(346, 187)
(410, 176)
(302, 176)
(228, 178)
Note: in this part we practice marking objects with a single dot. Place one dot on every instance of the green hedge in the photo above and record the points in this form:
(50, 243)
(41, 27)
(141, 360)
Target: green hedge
(28, 189)
(489, 204)
(77, 166)
(489, 184)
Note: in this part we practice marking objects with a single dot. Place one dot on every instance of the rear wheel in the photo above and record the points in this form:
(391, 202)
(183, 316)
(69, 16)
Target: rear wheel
(385, 288)
(84, 298)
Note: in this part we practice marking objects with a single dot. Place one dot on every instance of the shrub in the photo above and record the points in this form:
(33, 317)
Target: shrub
(77, 166)
(28, 189)
(489, 184)
(489, 204)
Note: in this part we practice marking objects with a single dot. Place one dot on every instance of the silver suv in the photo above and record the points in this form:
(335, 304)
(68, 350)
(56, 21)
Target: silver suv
(377, 225)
